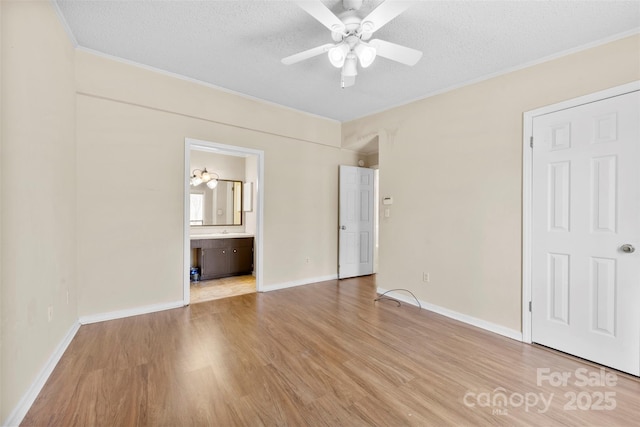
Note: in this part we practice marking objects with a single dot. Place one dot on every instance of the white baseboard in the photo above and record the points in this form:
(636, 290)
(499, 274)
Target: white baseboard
(301, 282)
(470, 320)
(16, 416)
(94, 318)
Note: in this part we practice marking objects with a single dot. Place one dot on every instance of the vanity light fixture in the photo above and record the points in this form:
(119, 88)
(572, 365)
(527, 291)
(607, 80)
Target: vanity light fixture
(213, 183)
(198, 176)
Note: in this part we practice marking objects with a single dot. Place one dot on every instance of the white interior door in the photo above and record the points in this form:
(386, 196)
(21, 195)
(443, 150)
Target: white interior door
(356, 225)
(585, 224)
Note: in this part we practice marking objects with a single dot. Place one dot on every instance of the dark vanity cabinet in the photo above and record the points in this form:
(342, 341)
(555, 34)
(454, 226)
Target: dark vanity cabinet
(224, 257)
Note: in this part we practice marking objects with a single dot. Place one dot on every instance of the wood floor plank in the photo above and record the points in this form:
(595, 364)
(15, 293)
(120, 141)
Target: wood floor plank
(328, 411)
(323, 354)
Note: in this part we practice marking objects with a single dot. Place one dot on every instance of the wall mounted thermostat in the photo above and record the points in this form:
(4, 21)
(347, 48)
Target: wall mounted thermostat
(387, 201)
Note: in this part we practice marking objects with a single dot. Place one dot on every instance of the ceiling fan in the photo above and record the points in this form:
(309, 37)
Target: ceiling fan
(352, 35)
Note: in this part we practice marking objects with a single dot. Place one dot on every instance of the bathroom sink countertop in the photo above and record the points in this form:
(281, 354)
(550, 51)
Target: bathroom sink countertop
(219, 236)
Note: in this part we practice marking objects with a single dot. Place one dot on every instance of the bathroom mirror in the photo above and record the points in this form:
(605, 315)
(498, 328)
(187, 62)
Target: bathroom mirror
(218, 206)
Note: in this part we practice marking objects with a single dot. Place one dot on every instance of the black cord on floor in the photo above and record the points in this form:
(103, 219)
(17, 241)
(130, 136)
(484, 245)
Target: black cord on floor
(384, 296)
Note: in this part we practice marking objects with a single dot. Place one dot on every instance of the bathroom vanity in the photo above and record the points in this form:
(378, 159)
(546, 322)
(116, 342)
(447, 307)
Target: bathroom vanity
(222, 255)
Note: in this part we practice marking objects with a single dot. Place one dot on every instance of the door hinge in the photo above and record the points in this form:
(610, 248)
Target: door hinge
(529, 306)
(531, 142)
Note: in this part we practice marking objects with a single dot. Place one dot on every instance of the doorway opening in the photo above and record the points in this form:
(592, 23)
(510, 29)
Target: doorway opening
(238, 221)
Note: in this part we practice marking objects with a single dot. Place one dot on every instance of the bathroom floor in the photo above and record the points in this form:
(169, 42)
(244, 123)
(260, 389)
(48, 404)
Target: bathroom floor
(208, 290)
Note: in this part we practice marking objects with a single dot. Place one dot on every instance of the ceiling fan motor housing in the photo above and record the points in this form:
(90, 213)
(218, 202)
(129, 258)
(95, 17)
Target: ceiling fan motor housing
(351, 23)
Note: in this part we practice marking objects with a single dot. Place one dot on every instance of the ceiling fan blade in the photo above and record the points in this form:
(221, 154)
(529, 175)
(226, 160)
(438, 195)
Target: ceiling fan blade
(382, 14)
(310, 53)
(395, 52)
(319, 11)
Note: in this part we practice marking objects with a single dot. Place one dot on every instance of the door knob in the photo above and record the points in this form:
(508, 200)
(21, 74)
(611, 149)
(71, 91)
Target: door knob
(343, 227)
(627, 248)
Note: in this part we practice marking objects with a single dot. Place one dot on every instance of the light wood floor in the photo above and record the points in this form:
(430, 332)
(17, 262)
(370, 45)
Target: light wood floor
(318, 355)
(208, 290)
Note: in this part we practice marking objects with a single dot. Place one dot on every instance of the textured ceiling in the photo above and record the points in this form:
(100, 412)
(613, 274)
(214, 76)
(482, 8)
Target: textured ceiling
(237, 45)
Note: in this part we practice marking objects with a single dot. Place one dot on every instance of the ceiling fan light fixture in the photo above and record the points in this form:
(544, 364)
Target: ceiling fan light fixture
(365, 53)
(338, 54)
(350, 68)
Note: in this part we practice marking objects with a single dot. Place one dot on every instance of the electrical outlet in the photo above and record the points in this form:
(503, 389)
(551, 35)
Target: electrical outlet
(50, 313)
(425, 277)
(307, 260)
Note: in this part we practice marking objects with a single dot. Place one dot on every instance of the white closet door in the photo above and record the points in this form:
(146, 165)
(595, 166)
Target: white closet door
(586, 223)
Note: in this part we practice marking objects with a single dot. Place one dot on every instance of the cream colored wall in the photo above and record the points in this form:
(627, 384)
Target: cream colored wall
(37, 195)
(452, 163)
(130, 233)
(372, 160)
(136, 85)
